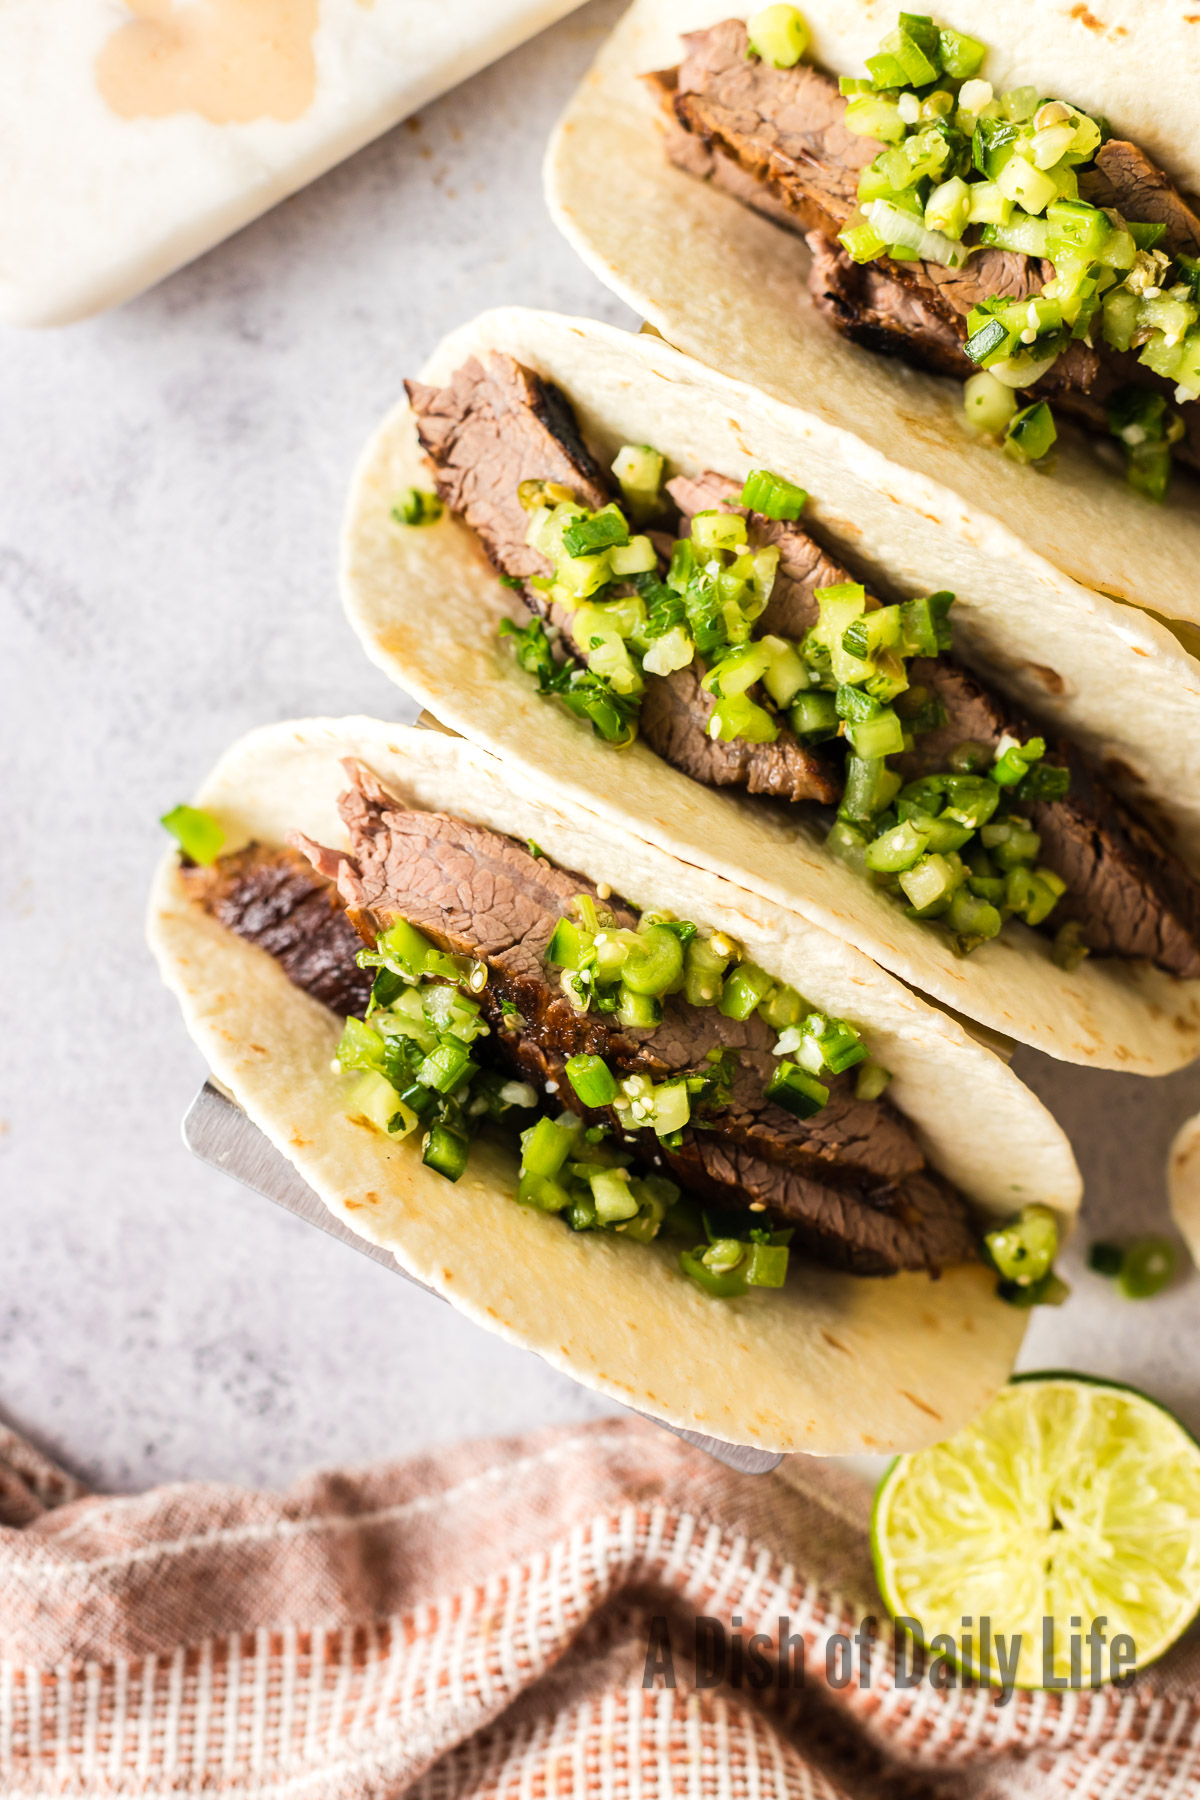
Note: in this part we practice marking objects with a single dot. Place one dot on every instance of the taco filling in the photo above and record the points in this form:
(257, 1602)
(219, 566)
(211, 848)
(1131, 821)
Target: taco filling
(1008, 239)
(701, 613)
(661, 1083)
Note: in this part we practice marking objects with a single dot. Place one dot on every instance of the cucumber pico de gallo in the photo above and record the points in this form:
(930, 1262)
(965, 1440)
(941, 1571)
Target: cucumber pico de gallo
(418, 1066)
(953, 847)
(963, 168)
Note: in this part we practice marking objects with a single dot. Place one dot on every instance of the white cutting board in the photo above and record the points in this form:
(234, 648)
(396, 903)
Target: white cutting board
(135, 134)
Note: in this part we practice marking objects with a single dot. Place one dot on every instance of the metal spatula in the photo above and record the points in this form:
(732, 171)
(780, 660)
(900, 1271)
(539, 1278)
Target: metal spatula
(217, 1131)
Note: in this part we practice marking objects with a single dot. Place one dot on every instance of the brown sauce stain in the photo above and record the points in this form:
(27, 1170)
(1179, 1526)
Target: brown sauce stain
(231, 61)
(352, 1205)
(1087, 18)
(370, 1198)
(299, 1143)
(920, 1405)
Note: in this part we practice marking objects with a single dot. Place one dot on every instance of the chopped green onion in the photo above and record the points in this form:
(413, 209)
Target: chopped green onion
(1024, 1250)
(899, 229)
(740, 717)
(703, 981)
(403, 946)
(592, 1080)
(971, 916)
(773, 495)
(882, 735)
(722, 1286)
(930, 882)
(870, 787)
(782, 1007)
(925, 624)
(417, 507)
(545, 1148)
(962, 56)
(1031, 434)
(970, 799)
(545, 1194)
(744, 990)
(1105, 1259)
(1141, 1268)
(778, 34)
(796, 1090)
(896, 850)
(813, 716)
(1051, 1290)
(948, 208)
(445, 1150)
(1146, 1267)
(447, 1067)
(198, 834)
(654, 963)
(1013, 760)
(637, 1012)
(603, 528)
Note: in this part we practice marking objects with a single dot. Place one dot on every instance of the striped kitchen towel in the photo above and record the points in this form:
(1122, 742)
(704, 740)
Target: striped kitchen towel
(598, 1613)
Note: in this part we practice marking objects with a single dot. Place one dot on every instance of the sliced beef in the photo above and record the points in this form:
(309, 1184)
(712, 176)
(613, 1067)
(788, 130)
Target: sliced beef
(783, 127)
(803, 565)
(488, 430)
(774, 139)
(485, 433)
(1133, 896)
(878, 309)
(926, 1222)
(1130, 894)
(275, 898)
(704, 162)
(674, 722)
(920, 321)
(852, 1179)
(1124, 177)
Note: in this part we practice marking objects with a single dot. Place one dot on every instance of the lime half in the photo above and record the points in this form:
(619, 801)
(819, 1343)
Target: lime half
(1067, 1499)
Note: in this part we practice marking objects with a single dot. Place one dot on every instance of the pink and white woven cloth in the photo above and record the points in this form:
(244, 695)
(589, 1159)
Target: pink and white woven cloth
(476, 1623)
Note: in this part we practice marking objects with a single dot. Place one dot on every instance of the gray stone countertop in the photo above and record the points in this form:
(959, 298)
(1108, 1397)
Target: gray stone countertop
(171, 487)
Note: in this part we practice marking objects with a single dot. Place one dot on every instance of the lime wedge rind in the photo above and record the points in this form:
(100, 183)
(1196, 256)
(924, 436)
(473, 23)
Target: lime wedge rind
(1070, 1496)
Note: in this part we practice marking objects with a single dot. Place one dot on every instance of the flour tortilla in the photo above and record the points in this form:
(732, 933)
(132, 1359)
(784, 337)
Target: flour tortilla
(427, 605)
(729, 287)
(833, 1363)
(1183, 1183)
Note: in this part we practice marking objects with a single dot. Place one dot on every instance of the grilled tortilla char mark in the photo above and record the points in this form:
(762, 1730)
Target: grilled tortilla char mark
(275, 899)
(486, 432)
(773, 138)
(852, 1179)
(1131, 895)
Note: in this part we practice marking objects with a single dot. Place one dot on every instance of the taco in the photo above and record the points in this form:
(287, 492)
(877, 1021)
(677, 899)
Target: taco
(666, 1135)
(1005, 206)
(694, 648)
